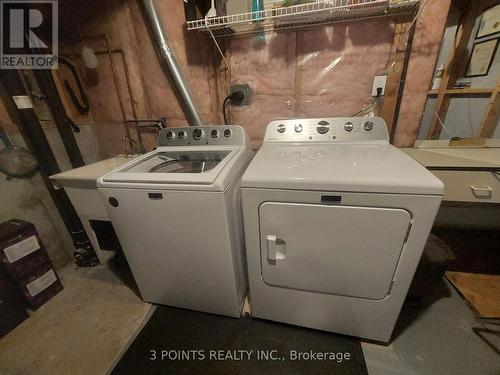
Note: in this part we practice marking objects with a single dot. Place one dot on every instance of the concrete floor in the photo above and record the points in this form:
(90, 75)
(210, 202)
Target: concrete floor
(86, 328)
(83, 330)
(437, 339)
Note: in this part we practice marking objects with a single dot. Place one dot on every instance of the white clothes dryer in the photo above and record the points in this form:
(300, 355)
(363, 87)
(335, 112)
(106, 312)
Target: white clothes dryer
(335, 222)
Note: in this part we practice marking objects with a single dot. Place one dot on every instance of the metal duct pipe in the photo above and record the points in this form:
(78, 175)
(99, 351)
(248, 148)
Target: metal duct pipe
(169, 61)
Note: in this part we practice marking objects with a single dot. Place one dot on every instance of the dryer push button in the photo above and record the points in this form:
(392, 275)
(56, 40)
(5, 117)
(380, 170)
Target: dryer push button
(368, 126)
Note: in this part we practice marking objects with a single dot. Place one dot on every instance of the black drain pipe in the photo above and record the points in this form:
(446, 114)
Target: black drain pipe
(64, 124)
(37, 142)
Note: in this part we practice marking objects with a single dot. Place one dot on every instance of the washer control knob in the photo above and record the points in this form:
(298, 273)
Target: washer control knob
(181, 134)
(298, 128)
(227, 133)
(368, 126)
(198, 134)
(170, 135)
(214, 133)
(348, 126)
(281, 128)
(323, 127)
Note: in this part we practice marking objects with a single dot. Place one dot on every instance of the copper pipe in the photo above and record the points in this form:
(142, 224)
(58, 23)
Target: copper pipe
(115, 78)
(129, 89)
(117, 87)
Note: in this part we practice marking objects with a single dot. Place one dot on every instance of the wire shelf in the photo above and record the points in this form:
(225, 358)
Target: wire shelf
(303, 15)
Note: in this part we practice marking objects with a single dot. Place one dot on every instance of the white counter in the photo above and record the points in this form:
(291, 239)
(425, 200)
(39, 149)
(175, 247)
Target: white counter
(81, 186)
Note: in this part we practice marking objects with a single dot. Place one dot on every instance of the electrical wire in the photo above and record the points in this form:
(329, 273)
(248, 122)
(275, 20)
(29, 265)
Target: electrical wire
(236, 98)
(402, 36)
(366, 107)
(441, 123)
(372, 105)
(217, 45)
(224, 109)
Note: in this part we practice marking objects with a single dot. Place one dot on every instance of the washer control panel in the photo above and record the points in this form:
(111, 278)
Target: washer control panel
(230, 135)
(335, 129)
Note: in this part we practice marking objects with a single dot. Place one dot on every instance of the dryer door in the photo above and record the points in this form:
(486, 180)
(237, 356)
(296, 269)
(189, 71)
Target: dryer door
(343, 250)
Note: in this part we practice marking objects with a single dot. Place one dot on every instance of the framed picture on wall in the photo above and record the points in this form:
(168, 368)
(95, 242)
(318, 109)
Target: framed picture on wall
(481, 58)
(489, 23)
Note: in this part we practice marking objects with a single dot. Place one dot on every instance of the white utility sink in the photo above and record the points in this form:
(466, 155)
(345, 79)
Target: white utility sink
(80, 185)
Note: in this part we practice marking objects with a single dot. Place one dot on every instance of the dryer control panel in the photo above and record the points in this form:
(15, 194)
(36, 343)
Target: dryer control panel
(227, 135)
(333, 129)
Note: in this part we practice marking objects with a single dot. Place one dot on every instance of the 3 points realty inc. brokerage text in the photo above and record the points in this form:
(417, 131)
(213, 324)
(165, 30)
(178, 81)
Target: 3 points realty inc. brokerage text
(246, 355)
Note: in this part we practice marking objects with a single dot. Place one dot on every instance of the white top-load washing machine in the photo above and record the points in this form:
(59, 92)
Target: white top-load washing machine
(335, 222)
(177, 213)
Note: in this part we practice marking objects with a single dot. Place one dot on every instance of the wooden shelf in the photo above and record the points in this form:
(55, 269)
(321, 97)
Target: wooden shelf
(465, 91)
(455, 66)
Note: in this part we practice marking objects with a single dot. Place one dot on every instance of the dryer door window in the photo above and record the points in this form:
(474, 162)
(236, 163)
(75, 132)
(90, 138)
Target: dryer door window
(342, 250)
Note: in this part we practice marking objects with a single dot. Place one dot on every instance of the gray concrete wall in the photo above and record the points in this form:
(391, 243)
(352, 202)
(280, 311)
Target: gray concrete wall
(29, 199)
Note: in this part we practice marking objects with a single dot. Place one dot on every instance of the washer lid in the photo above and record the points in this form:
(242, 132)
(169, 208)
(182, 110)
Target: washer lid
(185, 161)
(375, 168)
(212, 167)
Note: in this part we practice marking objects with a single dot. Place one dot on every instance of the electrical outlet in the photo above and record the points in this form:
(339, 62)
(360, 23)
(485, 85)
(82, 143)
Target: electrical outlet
(379, 82)
(245, 87)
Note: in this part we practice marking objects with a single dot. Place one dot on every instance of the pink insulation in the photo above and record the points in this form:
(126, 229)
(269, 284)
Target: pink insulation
(325, 71)
(338, 64)
(270, 71)
(322, 71)
(426, 43)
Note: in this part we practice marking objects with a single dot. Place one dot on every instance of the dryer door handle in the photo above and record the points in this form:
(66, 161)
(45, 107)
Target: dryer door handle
(276, 248)
(271, 247)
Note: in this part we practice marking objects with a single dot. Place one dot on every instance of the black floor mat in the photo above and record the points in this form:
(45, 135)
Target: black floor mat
(198, 343)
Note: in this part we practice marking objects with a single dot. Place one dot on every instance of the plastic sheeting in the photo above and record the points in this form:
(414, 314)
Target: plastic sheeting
(323, 72)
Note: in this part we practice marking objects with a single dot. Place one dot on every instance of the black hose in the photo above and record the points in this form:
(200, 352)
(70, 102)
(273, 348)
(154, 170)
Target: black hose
(235, 97)
(80, 107)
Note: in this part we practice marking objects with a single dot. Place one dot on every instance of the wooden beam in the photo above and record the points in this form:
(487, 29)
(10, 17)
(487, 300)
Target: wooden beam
(214, 86)
(394, 72)
(297, 91)
(455, 67)
(490, 119)
(457, 61)
(466, 91)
